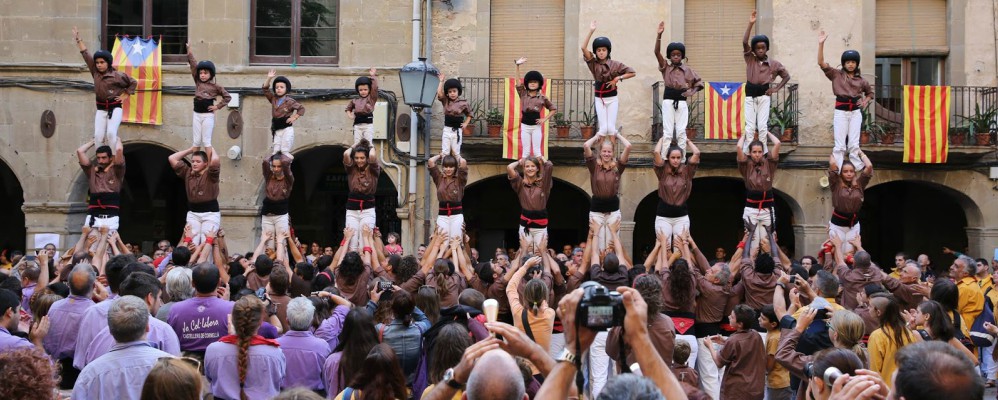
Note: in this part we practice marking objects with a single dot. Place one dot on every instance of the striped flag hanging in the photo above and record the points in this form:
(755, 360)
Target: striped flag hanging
(724, 117)
(511, 147)
(141, 59)
(926, 123)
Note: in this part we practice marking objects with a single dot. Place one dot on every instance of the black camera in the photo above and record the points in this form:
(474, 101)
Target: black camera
(384, 286)
(600, 308)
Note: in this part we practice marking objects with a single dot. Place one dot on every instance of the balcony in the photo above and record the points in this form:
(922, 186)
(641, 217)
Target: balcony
(573, 97)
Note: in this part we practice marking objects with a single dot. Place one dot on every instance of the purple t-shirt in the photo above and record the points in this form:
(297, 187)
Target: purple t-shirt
(200, 321)
(305, 355)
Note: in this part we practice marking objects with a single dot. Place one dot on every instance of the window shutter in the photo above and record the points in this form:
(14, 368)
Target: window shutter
(533, 29)
(911, 28)
(714, 31)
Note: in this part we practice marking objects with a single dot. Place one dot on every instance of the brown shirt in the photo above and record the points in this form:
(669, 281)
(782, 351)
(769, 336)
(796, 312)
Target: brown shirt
(109, 84)
(207, 90)
(533, 103)
(611, 280)
(794, 361)
(853, 281)
(675, 186)
(711, 300)
(284, 106)
(454, 285)
(282, 310)
(759, 288)
(450, 188)
(607, 70)
(680, 77)
(107, 180)
(201, 187)
(744, 355)
(534, 196)
(363, 181)
(356, 292)
(661, 331)
(254, 281)
(669, 301)
(843, 85)
(848, 199)
(496, 290)
(365, 105)
(763, 71)
(278, 189)
(455, 107)
(758, 176)
(605, 182)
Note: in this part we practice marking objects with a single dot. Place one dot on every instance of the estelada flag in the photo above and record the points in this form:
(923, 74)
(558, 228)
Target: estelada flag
(511, 146)
(926, 122)
(141, 59)
(724, 114)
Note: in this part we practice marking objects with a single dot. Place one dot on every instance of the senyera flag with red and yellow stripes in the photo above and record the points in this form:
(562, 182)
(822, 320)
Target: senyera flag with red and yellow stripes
(926, 122)
(724, 114)
(141, 59)
(511, 147)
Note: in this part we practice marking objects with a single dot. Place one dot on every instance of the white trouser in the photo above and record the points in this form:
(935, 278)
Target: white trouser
(202, 127)
(451, 141)
(606, 114)
(670, 227)
(284, 140)
(674, 122)
(600, 365)
(604, 236)
(96, 222)
(531, 140)
(846, 234)
(356, 219)
(534, 236)
(710, 375)
(202, 222)
(452, 224)
(756, 122)
(694, 348)
(847, 124)
(988, 366)
(363, 131)
(274, 224)
(761, 219)
(557, 344)
(106, 129)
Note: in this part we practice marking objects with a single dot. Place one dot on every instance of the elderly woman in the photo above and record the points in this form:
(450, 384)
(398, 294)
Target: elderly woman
(178, 288)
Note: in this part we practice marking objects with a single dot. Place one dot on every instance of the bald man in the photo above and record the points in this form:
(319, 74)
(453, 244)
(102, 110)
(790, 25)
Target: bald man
(908, 288)
(495, 377)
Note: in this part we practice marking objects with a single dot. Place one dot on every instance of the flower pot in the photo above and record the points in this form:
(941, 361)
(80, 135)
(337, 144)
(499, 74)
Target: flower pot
(691, 133)
(864, 137)
(469, 131)
(957, 139)
(587, 131)
(562, 131)
(983, 139)
(788, 135)
(888, 138)
(495, 130)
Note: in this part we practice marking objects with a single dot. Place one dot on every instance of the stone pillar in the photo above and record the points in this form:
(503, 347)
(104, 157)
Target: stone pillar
(627, 239)
(808, 239)
(982, 242)
(242, 228)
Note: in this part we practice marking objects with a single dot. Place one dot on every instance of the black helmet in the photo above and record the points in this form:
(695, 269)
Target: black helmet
(850, 55)
(281, 79)
(533, 76)
(453, 83)
(602, 41)
(760, 38)
(675, 46)
(208, 65)
(362, 81)
(106, 55)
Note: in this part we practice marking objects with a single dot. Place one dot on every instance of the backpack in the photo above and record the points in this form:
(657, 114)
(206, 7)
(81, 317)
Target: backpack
(978, 335)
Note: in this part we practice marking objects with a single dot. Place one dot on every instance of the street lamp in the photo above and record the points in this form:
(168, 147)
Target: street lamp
(419, 84)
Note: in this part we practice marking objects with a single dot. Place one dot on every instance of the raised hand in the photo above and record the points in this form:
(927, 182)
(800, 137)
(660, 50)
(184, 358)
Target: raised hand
(592, 25)
(76, 34)
(822, 36)
(520, 61)
(661, 27)
(374, 72)
(752, 18)
(272, 73)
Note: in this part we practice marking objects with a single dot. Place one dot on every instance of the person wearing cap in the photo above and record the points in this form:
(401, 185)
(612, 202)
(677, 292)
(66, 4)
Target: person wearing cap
(112, 88)
(361, 109)
(608, 74)
(205, 93)
(680, 82)
(852, 94)
(761, 71)
(285, 111)
(457, 115)
(532, 100)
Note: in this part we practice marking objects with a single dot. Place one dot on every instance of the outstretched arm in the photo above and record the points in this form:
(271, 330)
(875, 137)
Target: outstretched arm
(586, 54)
(774, 150)
(821, 50)
(748, 32)
(658, 46)
(739, 154)
(119, 153)
(658, 161)
(625, 154)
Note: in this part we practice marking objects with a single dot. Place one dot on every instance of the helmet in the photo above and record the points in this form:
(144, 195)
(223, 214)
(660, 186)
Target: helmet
(106, 55)
(602, 41)
(850, 55)
(760, 38)
(208, 65)
(282, 79)
(533, 76)
(676, 46)
(362, 81)
(453, 84)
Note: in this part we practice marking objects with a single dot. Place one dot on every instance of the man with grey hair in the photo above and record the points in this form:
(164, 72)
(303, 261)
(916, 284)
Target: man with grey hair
(65, 316)
(305, 353)
(908, 287)
(935, 370)
(971, 301)
(495, 377)
(714, 289)
(178, 288)
(120, 373)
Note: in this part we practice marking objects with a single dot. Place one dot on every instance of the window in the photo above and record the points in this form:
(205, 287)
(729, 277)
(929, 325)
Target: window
(295, 32)
(166, 18)
(714, 30)
(893, 72)
(543, 47)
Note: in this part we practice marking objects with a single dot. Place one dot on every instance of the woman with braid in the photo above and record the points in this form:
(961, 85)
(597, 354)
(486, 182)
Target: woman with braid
(263, 379)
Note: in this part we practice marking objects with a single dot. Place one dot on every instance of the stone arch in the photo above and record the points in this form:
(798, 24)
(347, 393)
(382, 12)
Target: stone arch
(13, 236)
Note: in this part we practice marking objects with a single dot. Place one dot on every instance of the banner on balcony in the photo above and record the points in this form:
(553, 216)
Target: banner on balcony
(512, 148)
(724, 116)
(141, 59)
(926, 122)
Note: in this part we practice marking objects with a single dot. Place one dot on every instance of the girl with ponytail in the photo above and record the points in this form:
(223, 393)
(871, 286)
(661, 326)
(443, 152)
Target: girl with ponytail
(846, 332)
(405, 333)
(264, 379)
(531, 313)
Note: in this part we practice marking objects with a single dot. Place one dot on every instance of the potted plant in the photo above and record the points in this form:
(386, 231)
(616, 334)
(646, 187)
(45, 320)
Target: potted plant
(493, 118)
(561, 124)
(871, 129)
(691, 129)
(476, 114)
(782, 117)
(588, 123)
(958, 135)
(982, 123)
(889, 134)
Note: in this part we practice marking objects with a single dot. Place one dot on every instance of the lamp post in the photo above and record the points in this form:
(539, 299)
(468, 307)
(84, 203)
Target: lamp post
(419, 88)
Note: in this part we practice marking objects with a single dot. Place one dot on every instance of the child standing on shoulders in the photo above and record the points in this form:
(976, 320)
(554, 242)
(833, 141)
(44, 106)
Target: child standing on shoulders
(760, 71)
(608, 74)
(112, 89)
(361, 109)
(680, 82)
(744, 356)
(777, 377)
(852, 94)
(457, 115)
(531, 103)
(285, 112)
(205, 92)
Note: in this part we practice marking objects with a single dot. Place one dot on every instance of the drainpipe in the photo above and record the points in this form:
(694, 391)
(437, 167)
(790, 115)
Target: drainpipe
(427, 116)
(414, 120)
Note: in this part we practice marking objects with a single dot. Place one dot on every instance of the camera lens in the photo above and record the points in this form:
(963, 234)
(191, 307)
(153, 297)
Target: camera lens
(832, 374)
